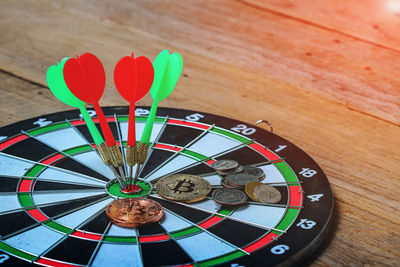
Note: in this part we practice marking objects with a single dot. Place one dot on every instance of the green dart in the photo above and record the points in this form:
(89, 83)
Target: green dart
(167, 69)
(58, 87)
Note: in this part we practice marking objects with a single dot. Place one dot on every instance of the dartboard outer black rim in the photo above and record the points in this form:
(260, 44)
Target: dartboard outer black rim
(54, 189)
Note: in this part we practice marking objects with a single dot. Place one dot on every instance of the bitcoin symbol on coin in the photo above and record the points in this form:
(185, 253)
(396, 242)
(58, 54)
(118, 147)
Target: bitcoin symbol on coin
(183, 186)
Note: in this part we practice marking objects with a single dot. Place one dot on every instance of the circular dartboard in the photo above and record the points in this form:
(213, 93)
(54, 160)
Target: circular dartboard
(54, 189)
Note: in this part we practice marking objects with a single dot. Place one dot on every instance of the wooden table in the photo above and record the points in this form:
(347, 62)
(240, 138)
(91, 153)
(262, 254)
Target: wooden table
(325, 73)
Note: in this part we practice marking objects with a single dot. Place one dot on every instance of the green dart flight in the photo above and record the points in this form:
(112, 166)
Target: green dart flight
(167, 69)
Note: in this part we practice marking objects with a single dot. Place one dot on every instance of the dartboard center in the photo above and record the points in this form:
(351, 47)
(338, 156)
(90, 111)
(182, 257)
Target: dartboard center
(142, 188)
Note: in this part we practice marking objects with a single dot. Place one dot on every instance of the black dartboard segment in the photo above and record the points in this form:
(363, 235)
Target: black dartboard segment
(54, 189)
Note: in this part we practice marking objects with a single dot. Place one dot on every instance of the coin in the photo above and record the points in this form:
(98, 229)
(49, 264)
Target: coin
(235, 170)
(134, 212)
(229, 196)
(224, 184)
(257, 172)
(249, 189)
(183, 187)
(224, 164)
(240, 179)
(267, 194)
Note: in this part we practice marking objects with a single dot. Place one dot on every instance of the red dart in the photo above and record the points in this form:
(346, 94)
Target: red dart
(133, 79)
(86, 79)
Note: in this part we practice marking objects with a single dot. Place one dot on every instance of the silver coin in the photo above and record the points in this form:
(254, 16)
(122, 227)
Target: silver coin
(224, 184)
(257, 172)
(224, 164)
(240, 179)
(267, 194)
(229, 196)
(235, 170)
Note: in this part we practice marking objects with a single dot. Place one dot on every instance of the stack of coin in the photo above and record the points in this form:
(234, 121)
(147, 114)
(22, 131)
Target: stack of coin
(134, 212)
(226, 166)
(183, 187)
(260, 192)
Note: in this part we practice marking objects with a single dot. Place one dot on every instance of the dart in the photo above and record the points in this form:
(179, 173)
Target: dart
(133, 79)
(86, 79)
(58, 87)
(167, 69)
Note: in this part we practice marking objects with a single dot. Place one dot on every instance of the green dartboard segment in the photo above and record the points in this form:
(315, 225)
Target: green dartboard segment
(55, 80)
(167, 69)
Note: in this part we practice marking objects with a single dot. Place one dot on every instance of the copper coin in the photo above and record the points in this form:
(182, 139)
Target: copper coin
(134, 212)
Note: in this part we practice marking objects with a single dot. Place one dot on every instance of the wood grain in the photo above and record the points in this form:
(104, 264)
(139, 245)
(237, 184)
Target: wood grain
(335, 95)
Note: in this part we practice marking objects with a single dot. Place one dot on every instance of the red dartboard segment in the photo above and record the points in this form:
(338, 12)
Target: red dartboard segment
(52, 159)
(85, 235)
(189, 124)
(12, 141)
(295, 196)
(261, 242)
(153, 238)
(50, 262)
(168, 147)
(37, 215)
(25, 186)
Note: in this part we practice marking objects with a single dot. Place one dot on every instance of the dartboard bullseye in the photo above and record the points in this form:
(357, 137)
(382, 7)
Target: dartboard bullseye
(54, 188)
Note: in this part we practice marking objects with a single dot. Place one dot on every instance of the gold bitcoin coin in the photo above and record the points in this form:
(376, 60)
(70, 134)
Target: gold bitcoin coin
(134, 212)
(183, 187)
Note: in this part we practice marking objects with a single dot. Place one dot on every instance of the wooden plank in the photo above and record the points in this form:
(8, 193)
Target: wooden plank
(371, 21)
(357, 74)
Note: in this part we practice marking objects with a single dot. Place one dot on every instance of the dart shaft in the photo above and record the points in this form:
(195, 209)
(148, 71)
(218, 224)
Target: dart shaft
(104, 126)
(149, 123)
(131, 125)
(94, 132)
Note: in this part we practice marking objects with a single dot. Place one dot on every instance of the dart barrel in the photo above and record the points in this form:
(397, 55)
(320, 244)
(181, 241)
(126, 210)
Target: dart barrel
(141, 152)
(104, 154)
(131, 155)
(116, 156)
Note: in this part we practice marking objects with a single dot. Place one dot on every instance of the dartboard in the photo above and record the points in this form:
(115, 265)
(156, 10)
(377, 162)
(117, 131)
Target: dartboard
(54, 189)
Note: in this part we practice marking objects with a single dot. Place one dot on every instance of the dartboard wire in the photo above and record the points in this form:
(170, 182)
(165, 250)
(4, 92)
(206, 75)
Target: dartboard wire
(66, 235)
(172, 238)
(139, 246)
(178, 152)
(121, 144)
(151, 149)
(94, 254)
(91, 146)
(208, 232)
(223, 215)
(203, 160)
(60, 152)
(54, 167)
